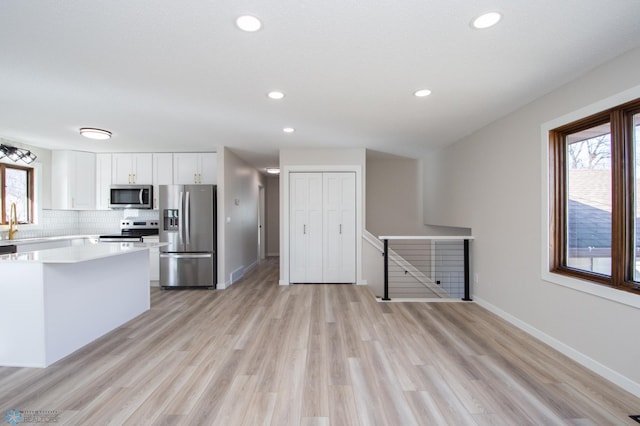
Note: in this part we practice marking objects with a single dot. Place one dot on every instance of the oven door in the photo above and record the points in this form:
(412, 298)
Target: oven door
(187, 270)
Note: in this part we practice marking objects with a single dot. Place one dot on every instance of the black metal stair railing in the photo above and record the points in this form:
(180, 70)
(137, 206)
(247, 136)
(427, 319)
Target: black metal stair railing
(426, 267)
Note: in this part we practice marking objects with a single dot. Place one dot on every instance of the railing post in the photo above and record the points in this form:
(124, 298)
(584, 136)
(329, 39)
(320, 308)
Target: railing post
(467, 292)
(386, 269)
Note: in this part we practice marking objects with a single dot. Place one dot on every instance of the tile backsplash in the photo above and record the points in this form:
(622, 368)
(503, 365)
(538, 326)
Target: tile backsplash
(55, 223)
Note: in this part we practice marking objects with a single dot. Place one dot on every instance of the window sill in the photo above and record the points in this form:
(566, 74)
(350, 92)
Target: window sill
(620, 296)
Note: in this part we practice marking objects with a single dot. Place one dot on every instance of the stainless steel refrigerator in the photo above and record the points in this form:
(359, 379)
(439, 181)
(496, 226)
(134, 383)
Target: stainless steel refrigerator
(188, 224)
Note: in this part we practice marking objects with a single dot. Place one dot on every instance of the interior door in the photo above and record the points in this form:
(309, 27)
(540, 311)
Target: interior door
(305, 232)
(339, 238)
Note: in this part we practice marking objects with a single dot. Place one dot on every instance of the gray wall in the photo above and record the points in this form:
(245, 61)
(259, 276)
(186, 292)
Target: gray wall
(238, 220)
(394, 198)
(394, 201)
(273, 216)
(492, 182)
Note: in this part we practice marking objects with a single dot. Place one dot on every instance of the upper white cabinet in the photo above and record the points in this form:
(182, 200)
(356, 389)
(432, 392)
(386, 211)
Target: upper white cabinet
(73, 180)
(103, 181)
(162, 173)
(132, 168)
(194, 168)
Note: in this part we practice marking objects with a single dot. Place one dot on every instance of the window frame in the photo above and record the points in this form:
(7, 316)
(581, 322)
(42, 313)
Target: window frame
(30, 192)
(622, 182)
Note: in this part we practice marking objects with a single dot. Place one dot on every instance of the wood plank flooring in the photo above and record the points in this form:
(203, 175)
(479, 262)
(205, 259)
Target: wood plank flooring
(261, 354)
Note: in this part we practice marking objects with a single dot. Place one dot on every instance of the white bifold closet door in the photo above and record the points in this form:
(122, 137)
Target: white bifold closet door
(322, 227)
(305, 234)
(339, 221)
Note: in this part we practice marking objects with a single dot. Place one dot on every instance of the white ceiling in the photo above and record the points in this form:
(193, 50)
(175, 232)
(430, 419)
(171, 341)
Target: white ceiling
(179, 76)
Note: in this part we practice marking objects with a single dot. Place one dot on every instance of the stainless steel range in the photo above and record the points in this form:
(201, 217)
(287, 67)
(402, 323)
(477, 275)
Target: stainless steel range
(132, 230)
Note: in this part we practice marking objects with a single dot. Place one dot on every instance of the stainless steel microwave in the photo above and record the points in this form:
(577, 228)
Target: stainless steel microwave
(131, 197)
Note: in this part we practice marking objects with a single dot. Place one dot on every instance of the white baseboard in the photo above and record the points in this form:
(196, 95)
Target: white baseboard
(593, 365)
(282, 282)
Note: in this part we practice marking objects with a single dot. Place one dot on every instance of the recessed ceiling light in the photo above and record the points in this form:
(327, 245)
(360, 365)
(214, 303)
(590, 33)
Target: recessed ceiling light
(288, 130)
(248, 23)
(422, 93)
(486, 20)
(275, 95)
(91, 133)
(273, 170)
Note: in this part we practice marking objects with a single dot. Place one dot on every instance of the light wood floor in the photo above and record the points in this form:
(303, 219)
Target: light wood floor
(258, 353)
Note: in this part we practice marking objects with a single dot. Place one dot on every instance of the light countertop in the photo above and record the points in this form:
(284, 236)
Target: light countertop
(75, 254)
(21, 241)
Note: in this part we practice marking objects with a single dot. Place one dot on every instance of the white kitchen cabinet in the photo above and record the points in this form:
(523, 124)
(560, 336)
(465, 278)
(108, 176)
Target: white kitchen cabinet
(162, 173)
(103, 181)
(154, 258)
(73, 180)
(127, 168)
(322, 230)
(195, 168)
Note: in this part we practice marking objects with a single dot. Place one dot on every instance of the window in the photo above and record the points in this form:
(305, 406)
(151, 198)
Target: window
(595, 198)
(16, 187)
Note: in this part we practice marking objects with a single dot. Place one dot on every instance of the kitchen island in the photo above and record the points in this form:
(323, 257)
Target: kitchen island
(56, 301)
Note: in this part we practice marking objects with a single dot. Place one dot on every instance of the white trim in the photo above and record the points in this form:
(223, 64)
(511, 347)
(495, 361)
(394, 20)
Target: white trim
(421, 300)
(284, 214)
(236, 274)
(620, 296)
(426, 237)
(593, 365)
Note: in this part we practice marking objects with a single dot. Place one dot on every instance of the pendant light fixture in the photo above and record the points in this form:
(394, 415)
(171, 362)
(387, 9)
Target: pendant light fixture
(16, 154)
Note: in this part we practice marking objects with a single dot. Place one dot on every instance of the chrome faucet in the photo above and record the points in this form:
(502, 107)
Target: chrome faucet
(13, 221)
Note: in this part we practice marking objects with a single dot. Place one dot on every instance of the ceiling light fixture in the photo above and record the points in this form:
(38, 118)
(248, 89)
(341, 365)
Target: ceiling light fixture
(288, 130)
(248, 23)
(486, 20)
(275, 95)
(422, 93)
(98, 134)
(15, 154)
(273, 170)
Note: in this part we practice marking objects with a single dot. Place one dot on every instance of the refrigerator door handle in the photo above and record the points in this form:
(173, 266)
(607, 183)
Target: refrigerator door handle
(186, 256)
(180, 217)
(187, 214)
